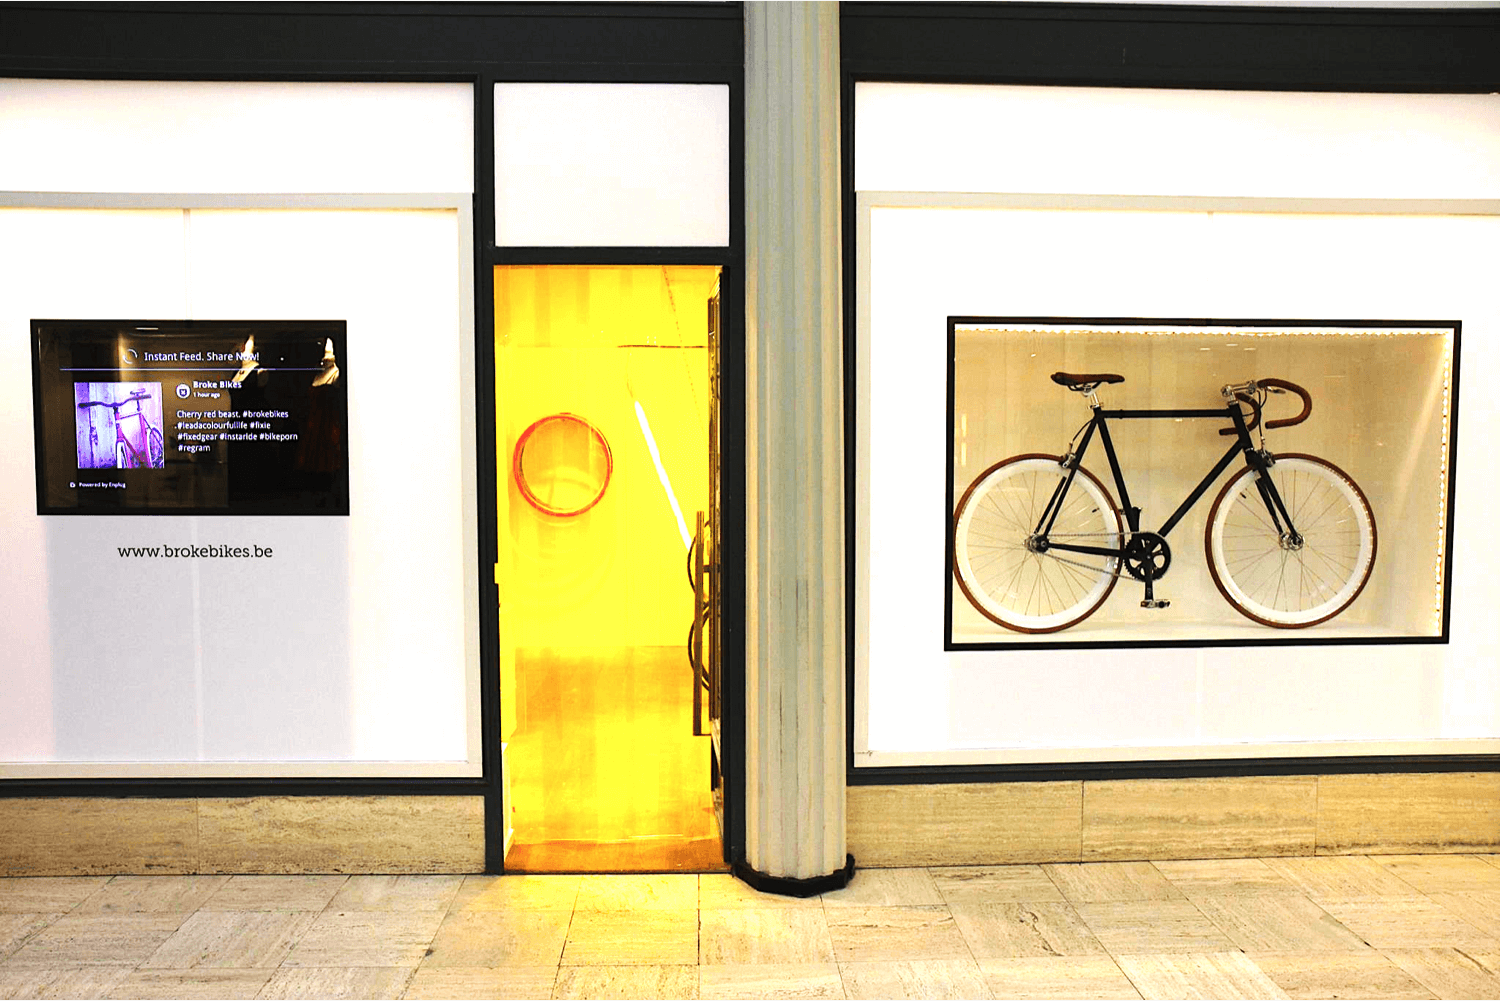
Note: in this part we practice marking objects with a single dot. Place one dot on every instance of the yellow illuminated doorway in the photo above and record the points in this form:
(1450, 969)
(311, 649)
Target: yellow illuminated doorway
(606, 395)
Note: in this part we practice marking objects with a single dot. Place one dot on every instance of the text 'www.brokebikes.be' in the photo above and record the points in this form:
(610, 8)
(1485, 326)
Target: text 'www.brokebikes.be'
(195, 552)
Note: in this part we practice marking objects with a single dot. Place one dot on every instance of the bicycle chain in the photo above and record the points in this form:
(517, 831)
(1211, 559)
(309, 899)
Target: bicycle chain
(1119, 564)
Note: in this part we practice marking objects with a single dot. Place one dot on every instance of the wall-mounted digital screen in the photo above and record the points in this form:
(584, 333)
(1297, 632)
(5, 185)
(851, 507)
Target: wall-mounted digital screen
(191, 417)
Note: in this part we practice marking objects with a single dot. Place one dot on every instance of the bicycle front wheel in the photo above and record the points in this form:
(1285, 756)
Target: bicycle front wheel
(1274, 580)
(995, 557)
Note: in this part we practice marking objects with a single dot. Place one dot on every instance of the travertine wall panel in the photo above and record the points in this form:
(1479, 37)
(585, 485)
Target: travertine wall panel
(1199, 818)
(278, 834)
(1394, 814)
(291, 834)
(965, 823)
(1236, 817)
(75, 836)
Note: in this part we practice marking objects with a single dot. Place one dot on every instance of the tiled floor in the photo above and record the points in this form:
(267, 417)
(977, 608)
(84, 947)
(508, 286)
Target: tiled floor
(1346, 927)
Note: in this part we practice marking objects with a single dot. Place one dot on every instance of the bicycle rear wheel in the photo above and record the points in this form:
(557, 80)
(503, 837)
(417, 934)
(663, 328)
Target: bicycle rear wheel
(1003, 576)
(1265, 576)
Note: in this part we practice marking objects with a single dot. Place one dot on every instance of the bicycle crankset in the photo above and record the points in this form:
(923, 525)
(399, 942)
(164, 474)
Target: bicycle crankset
(1147, 550)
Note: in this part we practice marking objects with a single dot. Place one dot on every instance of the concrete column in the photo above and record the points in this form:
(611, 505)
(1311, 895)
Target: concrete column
(794, 755)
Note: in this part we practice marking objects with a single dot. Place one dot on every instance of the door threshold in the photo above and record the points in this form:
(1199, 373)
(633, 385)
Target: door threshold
(638, 855)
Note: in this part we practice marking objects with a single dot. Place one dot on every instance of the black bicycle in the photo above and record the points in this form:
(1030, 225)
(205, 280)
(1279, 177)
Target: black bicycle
(1038, 543)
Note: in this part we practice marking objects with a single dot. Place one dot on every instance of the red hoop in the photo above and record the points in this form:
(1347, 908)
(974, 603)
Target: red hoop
(562, 431)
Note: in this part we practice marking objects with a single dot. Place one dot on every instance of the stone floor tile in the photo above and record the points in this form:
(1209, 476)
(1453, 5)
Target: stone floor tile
(1443, 873)
(1106, 882)
(152, 895)
(1314, 975)
(47, 894)
(1062, 977)
(96, 940)
(720, 891)
(1199, 975)
(1407, 923)
(275, 893)
(397, 893)
(656, 892)
(894, 934)
(1482, 910)
(1278, 922)
(791, 983)
(85, 982)
(204, 983)
(1224, 876)
(16, 928)
(462, 983)
(516, 893)
(331, 984)
(1149, 927)
(366, 938)
(995, 884)
(642, 938)
(1448, 973)
(1342, 877)
(499, 938)
(886, 888)
(627, 982)
(1008, 931)
(763, 936)
(930, 978)
(235, 940)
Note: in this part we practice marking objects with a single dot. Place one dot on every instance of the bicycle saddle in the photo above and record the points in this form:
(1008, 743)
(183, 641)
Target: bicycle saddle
(1081, 382)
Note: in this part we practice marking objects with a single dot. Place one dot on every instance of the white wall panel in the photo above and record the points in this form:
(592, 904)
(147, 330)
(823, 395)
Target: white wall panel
(353, 647)
(951, 137)
(222, 137)
(611, 165)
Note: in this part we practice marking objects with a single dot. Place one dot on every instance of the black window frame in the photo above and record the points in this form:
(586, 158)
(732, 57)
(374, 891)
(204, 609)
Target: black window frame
(1201, 47)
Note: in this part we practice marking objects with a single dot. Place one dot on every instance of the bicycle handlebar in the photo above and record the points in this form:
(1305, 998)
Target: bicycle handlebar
(139, 394)
(1286, 422)
(1275, 386)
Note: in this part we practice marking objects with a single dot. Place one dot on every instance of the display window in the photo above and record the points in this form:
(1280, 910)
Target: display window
(976, 284)
(1169, 481)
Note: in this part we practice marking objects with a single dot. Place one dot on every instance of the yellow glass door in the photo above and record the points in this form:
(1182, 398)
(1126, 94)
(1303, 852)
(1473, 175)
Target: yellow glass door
(606, 390)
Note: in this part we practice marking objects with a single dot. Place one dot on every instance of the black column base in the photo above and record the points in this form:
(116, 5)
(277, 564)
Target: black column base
(788, 887)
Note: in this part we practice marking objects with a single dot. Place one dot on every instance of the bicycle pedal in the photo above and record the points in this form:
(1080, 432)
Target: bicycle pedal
(1156, 603)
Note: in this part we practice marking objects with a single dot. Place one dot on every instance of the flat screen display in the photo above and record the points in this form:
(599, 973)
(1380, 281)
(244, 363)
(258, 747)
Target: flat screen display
(191, 417)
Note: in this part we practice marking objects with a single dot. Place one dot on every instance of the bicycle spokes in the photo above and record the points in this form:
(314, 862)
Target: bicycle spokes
(1006, 568)
(1294, 574)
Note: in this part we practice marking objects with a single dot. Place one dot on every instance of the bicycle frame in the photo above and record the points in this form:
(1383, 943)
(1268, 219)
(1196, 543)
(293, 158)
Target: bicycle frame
(1243, 445)
(141, 455)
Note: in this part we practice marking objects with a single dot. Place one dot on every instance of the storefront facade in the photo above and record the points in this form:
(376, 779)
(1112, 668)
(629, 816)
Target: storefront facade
(586, 271)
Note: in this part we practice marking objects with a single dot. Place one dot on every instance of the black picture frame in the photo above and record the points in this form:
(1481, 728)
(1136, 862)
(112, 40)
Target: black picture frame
(1111, 470)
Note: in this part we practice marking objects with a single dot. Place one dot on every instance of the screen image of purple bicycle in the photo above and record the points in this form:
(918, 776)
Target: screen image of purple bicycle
(119, 425)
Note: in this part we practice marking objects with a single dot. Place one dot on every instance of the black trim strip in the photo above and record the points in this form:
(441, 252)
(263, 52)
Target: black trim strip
(217, 788)
(646, 42)
(1225, 47)
(788, 887)
(1374, 764)
(499, 256)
